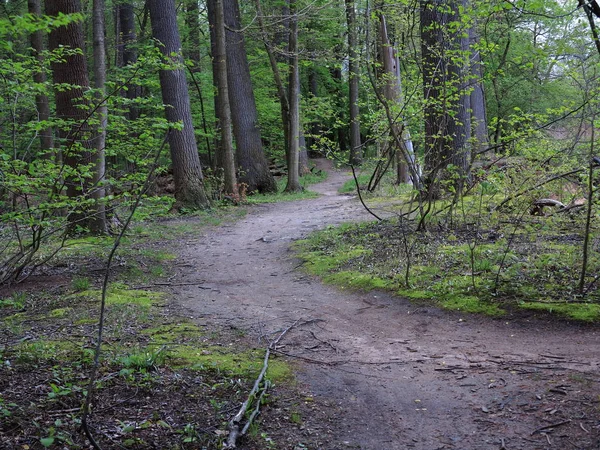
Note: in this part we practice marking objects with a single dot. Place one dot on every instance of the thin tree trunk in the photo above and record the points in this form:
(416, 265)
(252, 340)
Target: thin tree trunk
(220, 62)
(293, 183)
(98, 223)
(356, 153)
(210, 7)
(187, 171)
(249, 150)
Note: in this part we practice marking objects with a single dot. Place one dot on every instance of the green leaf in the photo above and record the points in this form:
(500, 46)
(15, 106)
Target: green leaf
(47, 442)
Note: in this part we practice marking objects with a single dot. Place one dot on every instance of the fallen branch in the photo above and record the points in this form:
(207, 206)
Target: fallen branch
(234, 424)
(552, 425)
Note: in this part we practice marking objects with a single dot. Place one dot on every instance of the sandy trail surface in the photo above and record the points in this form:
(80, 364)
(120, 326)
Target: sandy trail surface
(395, 375)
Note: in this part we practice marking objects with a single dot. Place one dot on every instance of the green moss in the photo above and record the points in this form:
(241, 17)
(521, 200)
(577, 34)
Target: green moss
(52, 350)
(470, 304)
(580, 311)
(60, 313)
(119, 294)
(243, 364)
(171, 333)
(357, 280)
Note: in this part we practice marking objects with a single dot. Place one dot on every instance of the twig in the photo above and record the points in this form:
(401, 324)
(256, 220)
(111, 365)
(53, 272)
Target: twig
(553, 425)
(234, 424)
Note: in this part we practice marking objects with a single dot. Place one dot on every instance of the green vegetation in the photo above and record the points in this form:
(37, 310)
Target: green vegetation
(473, 258)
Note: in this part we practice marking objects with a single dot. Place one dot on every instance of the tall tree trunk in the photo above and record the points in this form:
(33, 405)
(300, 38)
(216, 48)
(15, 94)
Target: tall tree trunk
(392, 95)
(249, 150)
(478, 110)
(293, 154)
(341, 134)
(71, 71)
(98, 223)
(281, 92)
(39, 77)
(210, 7)
(128, 52)
(187, 171)
(220, 61)
(356, 153)
(192, 51)
(447, 104)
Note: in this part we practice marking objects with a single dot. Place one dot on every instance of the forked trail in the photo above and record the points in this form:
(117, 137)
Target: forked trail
(397, 376)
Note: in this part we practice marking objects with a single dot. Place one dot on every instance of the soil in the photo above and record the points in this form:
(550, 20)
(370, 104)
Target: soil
(376, 371)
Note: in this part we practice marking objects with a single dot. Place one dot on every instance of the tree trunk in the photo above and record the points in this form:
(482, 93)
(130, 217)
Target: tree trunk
(249, 150)
(392, 95)
(187, 172)
(128, 52)
(192, 52)
(356, 153)
(210, 7)
(72, 71)
(98, 223)
(39, 77)
(293, 183)
(446, 110)
(220, 62)
(478, 110)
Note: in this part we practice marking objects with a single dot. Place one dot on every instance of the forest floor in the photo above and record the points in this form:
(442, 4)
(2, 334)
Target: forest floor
(375, 371)
(370, 370)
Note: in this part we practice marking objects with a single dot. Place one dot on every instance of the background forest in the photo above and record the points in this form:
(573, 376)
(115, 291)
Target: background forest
(455, 96)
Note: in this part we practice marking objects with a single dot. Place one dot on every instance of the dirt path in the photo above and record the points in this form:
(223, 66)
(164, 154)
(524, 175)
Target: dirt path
(396, 375)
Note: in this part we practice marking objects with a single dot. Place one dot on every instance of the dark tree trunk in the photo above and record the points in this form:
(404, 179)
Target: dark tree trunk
(72, 71)
(356, 153)
(187, 172)
(249, 151)
(447, 104)
(128, 52)
(342, 139)
(39, 77)
(220, 62)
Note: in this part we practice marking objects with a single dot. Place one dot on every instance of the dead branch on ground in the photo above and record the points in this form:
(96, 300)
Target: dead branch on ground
(234, 424)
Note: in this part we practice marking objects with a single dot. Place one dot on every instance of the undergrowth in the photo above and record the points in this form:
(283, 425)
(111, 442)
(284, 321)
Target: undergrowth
(471, 258)
(163, 378)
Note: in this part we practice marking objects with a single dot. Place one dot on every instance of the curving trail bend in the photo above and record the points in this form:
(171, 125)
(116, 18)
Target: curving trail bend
(396, 375)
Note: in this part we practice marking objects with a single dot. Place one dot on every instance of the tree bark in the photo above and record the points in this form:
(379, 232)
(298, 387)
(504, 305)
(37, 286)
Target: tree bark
(356, 153)
(249, 150)
(98, 223)
(220, 62)
(446, 110)
(39, 77)
(392, 93)
(478, 110)
(187, 171)
(70, 103)
(128, 52)
(293, 183)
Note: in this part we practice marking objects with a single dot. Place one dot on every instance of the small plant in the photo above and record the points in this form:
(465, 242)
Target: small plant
(80, 284)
